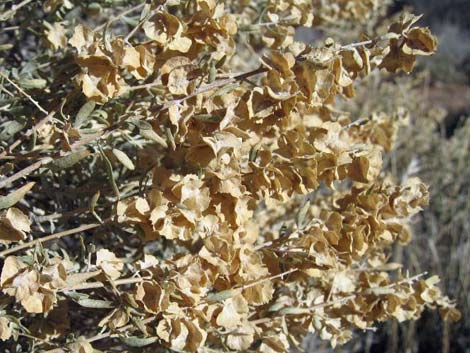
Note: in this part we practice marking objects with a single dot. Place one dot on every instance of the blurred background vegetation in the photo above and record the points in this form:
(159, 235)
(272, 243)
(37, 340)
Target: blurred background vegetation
(435, 147)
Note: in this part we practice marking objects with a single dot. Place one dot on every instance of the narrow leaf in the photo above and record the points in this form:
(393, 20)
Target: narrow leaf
(138, 341)
(151, 135)
(225, 89)
(15, 196)
(294, 311)
(109, 170)
(300, 220)
(220, 296)
(95, 303)
(75, 279)
(78, 296)
(69, 160)
(37, 83)
(84, 113)
(124, 159)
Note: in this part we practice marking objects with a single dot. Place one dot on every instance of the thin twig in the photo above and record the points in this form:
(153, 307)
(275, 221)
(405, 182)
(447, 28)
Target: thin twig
(118, 17)
(54, 236)
(24, 172)
(311, 309)
(61, 215)
(15, 8)
(7, 91)
(216, 84)
(37, 339)
(134, 31)
(144, 86)
(11, 28)
(94, 285)
(28, 133)
(141, 22)
(360, 44)
(255, 283)
(25, 94)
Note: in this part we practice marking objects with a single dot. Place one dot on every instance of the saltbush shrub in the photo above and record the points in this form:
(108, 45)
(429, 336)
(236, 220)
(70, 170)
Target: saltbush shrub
(178, 175)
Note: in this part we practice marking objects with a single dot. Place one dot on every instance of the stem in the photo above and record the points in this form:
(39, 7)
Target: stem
(54, 236)
(94, 285)
(276, 242)
(16, 8)
(107, 334)
(63, 215)
(267, 279)
(217, 84)
(11, 28)
(37, 339)
(24, 93)
(144, 86)
(24, 172)
(310, 310)
(354, 45)
(28, 133)
(118, 17)
(141, 22)
(359, 44)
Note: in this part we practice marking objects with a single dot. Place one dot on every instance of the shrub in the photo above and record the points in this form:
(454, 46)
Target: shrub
(200, 186)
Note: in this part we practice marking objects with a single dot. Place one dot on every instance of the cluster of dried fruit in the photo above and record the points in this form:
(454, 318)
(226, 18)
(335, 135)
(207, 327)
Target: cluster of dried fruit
(225, 179)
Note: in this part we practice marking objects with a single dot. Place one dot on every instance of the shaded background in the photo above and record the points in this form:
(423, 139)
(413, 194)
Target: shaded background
(435, 147)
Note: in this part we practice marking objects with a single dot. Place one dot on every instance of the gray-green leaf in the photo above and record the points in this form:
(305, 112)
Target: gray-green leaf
(138, 341)
(95, 303)
(153, 136)
(124, 159)
(37, 83)
(220, 296)
(15, 196)
(84, 113)
(69, 160)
